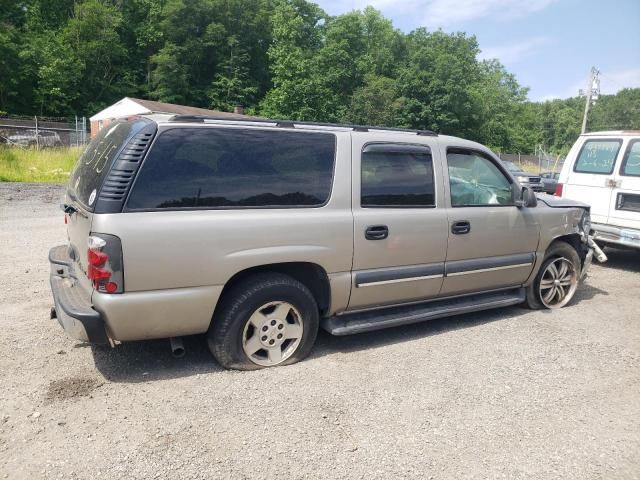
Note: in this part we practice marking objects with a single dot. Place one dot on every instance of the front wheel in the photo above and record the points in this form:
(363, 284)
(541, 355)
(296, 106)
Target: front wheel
(557, 281)
(270, 319)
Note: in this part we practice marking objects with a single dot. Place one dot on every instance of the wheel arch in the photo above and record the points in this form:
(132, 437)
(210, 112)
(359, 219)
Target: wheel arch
(311, 275)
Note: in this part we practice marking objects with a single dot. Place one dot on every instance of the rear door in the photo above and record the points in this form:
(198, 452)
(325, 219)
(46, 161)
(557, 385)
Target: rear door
(591, 177)
(624, 209)
(492, 242)
(400, 225)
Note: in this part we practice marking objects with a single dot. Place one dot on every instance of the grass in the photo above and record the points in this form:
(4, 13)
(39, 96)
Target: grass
(49, 165)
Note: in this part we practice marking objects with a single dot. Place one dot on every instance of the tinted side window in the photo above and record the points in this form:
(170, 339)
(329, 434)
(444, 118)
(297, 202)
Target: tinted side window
(230, 167)
(400, 178)
(475, 180)
(631, 162)
(598, 156)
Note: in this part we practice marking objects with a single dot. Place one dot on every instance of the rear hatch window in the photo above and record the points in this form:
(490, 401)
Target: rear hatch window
(94, 164)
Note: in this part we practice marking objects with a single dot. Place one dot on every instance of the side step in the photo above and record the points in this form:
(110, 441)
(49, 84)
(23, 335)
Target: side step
(350, 323)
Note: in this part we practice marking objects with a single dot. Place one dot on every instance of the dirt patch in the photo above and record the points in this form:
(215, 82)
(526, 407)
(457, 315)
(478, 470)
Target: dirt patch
(72, 387)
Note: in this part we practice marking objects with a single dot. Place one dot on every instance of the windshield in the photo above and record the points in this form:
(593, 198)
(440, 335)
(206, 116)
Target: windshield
(92, 167)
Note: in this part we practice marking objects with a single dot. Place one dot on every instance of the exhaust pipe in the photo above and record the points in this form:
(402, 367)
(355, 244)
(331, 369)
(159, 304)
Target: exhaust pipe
(177, 347)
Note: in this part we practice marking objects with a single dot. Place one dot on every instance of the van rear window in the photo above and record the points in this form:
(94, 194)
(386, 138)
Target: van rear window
(598, 156)
(93, 165)
(235, 168)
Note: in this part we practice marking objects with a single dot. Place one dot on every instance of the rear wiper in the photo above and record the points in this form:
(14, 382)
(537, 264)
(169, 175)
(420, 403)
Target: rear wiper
(68, 209)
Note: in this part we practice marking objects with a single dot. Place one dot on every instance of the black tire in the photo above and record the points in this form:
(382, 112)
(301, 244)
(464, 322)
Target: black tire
(558, 249)
(225, 336)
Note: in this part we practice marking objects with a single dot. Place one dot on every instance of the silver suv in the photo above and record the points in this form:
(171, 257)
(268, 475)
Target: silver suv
(260, 232)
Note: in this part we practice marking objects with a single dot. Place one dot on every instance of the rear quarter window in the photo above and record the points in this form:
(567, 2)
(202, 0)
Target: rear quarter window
(93, 165)
(235, 168)
(598, 156)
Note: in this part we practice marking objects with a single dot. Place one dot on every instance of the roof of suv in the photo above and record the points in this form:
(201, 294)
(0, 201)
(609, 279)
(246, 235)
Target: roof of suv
(166, 119)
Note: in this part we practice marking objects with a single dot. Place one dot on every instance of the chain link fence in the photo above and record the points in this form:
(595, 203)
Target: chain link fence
(43, 132)
(542, 162)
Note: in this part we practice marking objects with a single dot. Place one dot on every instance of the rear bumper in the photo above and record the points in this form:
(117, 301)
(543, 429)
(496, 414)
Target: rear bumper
(74, 310)
(628, 237)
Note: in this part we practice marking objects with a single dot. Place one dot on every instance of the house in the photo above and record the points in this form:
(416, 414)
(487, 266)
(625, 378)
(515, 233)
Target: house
(137, 106)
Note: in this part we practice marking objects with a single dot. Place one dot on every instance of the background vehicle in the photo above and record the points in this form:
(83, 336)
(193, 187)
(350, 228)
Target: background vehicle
(602, 169)
(549, 181)
(525, 179)
(258, 232)
(31, 138)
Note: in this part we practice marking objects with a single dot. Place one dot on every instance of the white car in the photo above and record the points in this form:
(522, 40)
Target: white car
(32, 138)
(603, 170)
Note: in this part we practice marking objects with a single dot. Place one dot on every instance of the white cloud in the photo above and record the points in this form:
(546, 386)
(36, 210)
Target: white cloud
(448, 13)
(514, 52)
(442, 13)
(611, 82)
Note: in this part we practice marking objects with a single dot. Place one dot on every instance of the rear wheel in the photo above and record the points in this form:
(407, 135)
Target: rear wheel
(557, 281)
(268, 320)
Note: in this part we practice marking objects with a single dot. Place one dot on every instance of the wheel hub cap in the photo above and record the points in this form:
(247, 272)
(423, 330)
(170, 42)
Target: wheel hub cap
(272, 333)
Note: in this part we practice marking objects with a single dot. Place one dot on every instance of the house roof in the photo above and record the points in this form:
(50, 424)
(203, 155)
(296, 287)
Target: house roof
(161, 107)
(138, 106)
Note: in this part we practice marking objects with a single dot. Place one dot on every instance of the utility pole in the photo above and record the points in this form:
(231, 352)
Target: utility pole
(593, 90)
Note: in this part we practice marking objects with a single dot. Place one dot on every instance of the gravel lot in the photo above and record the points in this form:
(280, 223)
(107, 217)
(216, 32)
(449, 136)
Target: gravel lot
(505, 394)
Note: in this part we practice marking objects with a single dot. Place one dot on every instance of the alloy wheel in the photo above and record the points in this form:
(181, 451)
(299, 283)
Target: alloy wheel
(272, 334)
(558, 283)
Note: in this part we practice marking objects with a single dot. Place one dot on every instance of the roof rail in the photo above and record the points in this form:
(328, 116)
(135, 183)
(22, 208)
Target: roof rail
(294, 123)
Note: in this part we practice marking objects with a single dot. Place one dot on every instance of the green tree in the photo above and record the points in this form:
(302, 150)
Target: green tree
(232, 85)
(170, 79)
(297, 90)
(436, 82)
(375, 103)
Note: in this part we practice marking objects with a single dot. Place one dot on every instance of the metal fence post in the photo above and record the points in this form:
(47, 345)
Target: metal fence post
(37, 139)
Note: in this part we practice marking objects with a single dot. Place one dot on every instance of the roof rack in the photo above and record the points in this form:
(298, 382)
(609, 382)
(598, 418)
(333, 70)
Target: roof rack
(294, 123)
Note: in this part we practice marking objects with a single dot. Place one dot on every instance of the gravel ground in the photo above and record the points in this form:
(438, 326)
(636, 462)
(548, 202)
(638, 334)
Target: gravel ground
(504, 394)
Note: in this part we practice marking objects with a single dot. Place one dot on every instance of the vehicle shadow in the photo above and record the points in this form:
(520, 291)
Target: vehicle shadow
(628, 260)
(151, 360)
(327, 344)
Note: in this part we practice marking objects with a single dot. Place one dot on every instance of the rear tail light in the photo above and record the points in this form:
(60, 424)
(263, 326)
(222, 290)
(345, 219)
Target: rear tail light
(104, 258)
(558, 192)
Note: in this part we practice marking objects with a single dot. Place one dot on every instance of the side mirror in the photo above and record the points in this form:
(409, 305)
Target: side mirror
(526, 197)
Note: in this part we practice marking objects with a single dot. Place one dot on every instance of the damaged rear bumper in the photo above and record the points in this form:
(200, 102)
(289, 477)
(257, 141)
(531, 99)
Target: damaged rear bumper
(73, 307)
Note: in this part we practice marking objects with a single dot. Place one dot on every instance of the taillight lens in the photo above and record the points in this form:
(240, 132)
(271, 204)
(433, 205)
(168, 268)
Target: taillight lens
(558, 192)
(99, 270)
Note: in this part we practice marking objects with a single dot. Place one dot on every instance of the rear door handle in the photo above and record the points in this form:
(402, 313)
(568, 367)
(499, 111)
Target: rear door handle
(461, 227)
(376, 232)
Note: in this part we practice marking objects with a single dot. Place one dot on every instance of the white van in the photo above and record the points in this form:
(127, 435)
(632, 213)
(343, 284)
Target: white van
(603, 170)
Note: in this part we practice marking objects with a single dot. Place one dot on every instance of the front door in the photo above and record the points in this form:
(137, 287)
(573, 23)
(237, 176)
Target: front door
(492, 242)
(400, 223)
(591, 179)
(624, 210)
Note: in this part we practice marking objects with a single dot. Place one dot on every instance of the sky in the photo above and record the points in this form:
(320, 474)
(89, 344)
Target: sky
(550, 45)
